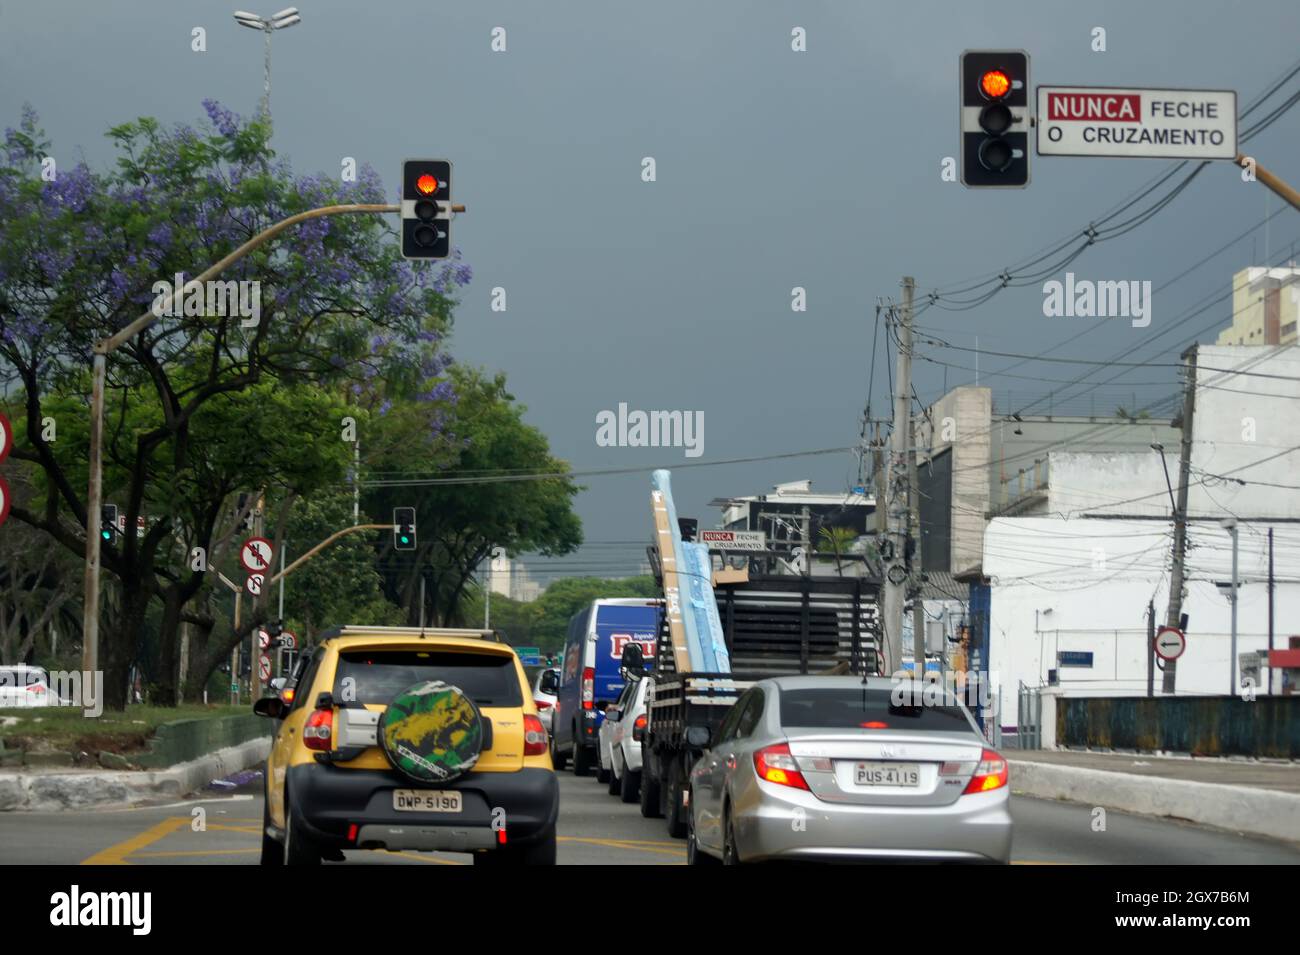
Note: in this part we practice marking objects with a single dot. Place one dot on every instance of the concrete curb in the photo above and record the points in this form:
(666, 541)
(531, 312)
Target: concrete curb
(55, 791)
(1259, 812)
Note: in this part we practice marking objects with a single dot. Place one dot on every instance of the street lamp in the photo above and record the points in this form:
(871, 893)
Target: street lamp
(1229, 524)
(277, 21)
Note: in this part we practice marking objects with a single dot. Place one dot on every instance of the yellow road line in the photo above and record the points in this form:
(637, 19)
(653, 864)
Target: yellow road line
(116, 854)
(194, 852)
(623, 844)
(429, 860)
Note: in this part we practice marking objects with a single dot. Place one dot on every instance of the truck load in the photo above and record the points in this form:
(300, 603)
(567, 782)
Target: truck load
(719, 633)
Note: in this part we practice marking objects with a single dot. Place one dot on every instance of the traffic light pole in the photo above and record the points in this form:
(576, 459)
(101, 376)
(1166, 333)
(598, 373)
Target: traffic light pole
(99, 370)
(1273, 182)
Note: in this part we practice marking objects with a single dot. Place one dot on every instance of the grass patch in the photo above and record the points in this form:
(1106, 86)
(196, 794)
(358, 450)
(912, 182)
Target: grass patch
(55, 729)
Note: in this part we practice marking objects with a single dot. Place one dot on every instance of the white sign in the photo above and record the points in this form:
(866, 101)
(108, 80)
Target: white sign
(255, 555)
(264, 667)
(1170, 643)
(1155, 124)
(254, 584)
(734, 540)
(263, 639)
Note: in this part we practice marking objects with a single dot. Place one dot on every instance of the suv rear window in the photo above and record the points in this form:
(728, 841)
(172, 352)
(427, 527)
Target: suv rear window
(489, 679)
(852, 707)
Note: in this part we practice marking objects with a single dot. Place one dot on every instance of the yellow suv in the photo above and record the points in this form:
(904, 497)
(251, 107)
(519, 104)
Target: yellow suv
(404, 738)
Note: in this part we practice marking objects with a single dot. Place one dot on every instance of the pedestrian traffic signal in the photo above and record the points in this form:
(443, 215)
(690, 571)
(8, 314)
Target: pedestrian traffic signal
(108, 523)
(404, 528)
(994, 118)
(426, 209)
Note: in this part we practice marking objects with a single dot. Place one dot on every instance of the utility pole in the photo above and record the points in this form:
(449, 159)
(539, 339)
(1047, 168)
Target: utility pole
(1268, 670)
(1231, 525)
(914, 518)
(1180, 516)
(1151, 648)
(896, 483)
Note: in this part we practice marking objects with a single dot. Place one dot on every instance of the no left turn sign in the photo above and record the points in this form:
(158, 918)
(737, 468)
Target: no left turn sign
(1170, 643)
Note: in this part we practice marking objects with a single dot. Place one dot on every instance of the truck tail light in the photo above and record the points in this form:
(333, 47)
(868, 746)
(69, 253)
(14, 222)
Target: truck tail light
(588, 688)
(775, 765)
(990, 774)
(318, 734)
(535, 743)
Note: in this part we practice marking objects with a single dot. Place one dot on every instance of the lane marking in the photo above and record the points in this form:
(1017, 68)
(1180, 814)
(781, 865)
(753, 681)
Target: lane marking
(177, 805)
(116, 854)
(623, 844)
(195, 852)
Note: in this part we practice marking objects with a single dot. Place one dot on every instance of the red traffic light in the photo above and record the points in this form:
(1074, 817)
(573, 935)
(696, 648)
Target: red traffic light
(427, 184)
(995, 84)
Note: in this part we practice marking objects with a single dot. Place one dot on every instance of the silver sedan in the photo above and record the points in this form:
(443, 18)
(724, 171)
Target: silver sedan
(849, 769)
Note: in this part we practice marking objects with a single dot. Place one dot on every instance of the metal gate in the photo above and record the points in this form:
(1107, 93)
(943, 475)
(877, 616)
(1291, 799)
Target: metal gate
(1029, 715)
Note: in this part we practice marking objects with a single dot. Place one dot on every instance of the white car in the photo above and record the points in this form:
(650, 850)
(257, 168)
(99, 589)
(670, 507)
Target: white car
(620, 742)
(24, 686)
(544, 687)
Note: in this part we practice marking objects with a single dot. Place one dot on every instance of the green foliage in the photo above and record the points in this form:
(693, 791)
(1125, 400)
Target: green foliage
(565, 597)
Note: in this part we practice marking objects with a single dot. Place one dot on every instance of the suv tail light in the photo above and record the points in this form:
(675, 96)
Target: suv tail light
(775, 765)
(638, 728)
(990, 774)
(535, 743)
(588, 687)
(318, 734)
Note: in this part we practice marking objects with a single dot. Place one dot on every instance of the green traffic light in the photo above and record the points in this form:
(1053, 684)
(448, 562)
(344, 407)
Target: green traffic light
(107, 535)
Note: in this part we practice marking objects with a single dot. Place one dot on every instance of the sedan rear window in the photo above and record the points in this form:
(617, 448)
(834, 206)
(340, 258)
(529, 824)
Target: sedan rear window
(867, 708)
(489, 679)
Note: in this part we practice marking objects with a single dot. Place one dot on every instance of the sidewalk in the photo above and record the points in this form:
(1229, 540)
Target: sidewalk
(1283, 777)
(1261, 799)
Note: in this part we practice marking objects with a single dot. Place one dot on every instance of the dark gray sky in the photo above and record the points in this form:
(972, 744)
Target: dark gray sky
(775, 169)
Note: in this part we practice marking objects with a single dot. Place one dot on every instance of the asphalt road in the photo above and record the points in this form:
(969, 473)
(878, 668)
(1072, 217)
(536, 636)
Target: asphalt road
(595, 828)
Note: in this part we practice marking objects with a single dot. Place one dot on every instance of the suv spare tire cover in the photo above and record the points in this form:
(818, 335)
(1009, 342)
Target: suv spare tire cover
(431, 732)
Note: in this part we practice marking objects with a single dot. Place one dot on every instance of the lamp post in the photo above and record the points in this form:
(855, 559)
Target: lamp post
(1230, 525)
(277, 21)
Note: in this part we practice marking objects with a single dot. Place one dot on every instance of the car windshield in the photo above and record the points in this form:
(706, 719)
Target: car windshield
(860, 707)
(489, 679)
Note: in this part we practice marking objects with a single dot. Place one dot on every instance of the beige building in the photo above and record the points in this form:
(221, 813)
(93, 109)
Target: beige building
(1265, 303)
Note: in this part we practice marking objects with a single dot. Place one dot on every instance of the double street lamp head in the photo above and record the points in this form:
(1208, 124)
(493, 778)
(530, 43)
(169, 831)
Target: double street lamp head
(277, 21)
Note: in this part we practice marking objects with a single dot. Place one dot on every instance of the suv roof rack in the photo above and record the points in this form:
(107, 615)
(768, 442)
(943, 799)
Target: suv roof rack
(358, 629)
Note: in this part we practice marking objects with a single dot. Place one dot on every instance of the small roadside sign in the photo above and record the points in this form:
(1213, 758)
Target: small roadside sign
(263, 639)
(6, 437)
(255, 555)
(264, 667)
(288, 640)
(4, 500)
(254, 584)
(734, 540)
(1144, 123)
(1171, 643)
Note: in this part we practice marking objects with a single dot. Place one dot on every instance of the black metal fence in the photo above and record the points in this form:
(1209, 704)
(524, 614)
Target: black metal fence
(1268, 726)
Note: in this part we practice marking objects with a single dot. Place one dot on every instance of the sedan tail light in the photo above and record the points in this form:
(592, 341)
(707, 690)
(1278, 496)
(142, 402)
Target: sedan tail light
(775, 765)
(990, 774)
(318, 734)
(588, 688)
(638, 728)
(542, 704)
(535, 743)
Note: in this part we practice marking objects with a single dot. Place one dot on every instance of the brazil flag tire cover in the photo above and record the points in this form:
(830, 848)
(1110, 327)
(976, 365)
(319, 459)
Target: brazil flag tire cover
(431, 732)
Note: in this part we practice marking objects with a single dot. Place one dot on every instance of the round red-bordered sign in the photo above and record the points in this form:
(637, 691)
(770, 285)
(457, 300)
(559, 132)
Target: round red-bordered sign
(1171, 643)
(256, 554)
(6, 439)
(4, 500)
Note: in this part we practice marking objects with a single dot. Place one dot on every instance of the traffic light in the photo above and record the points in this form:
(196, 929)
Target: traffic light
(108, 523)
(995, 118)
(404, 528)
(426, 209)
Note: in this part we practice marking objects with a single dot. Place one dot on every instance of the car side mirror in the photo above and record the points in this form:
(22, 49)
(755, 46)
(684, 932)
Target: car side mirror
(271, 706)
(633, 661)
(612, 713)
